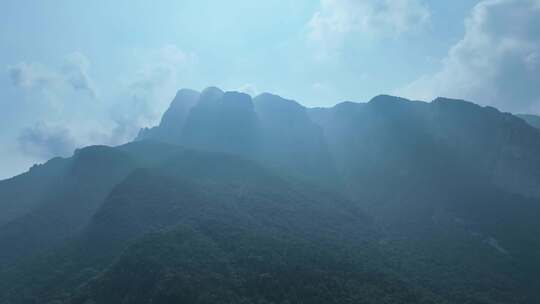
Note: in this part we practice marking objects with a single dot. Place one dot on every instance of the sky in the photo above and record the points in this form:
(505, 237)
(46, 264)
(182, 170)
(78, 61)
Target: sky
(75, 73)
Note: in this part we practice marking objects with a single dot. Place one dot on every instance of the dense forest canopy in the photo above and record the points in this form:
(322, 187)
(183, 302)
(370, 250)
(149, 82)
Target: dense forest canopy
(234, 199)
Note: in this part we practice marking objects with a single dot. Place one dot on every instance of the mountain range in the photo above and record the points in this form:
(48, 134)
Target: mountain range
(234, 199)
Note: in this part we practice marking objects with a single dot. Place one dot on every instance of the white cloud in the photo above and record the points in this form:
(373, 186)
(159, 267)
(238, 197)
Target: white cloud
(45, 141)
(337, 19)
(58, 117)
(141, 97)
(532, 61)
(74, 75)
(495, 63)
(161, 67)
(249, 89)
(31, 75)
(150, 90)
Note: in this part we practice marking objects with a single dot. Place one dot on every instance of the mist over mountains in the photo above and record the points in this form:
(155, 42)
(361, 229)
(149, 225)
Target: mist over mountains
(234, 199)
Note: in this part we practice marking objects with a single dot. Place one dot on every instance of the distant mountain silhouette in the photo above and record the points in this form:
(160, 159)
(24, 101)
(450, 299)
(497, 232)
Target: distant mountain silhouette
(261, 200)
(533, 120)
(174, 119)
(76, 187)
(270, 129)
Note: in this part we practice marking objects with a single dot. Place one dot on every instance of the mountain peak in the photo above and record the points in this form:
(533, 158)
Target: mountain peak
(236, 96)
(387, 99)
(270, 103)
(463, 105)
(185, 92)
(237, 101)
(278, 192)
(185, 98)
(212, 92)
(452, 100)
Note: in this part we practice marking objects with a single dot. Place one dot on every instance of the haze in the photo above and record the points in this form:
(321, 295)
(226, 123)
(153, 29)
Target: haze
(77, 73)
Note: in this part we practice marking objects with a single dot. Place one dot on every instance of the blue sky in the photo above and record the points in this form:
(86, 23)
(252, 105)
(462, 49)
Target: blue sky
(75, 73)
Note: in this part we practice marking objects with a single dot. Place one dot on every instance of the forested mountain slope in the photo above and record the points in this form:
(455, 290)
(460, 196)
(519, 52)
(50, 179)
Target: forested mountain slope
(263, 200)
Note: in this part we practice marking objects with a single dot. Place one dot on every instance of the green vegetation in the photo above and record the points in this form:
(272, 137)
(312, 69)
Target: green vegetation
(387, 202)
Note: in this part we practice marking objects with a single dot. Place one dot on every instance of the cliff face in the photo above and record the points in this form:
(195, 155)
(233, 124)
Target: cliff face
(268, 128)
(350, 143)
(264, 200)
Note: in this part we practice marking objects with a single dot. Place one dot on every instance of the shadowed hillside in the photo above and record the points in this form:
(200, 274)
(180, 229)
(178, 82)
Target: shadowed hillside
(262, 200)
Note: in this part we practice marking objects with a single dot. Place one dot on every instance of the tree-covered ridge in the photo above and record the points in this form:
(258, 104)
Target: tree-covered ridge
(239, 200)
